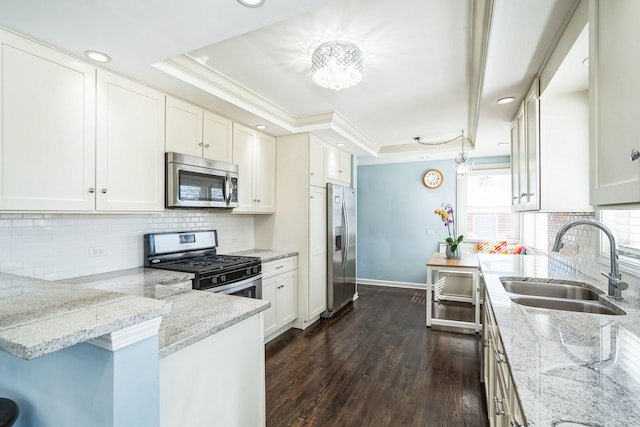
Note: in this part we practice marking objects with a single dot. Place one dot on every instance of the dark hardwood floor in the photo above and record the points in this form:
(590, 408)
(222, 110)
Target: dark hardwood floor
(376, 364)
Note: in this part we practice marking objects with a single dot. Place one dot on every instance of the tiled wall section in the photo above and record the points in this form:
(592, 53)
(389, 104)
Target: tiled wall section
(580, 243)
(57, 246)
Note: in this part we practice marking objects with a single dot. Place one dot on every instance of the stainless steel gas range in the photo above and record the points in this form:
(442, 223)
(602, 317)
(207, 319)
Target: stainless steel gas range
(195, 252)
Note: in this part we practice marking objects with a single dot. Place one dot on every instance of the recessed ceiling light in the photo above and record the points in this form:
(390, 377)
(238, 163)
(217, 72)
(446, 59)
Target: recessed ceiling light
(340, 144)
(251, 3)
(506, 100)
(261, 126)
(94, 55)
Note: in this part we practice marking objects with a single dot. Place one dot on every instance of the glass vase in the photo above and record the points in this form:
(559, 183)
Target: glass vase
(453, 254)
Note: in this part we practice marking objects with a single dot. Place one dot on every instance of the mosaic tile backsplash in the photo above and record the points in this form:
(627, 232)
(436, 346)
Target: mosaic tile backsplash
(580, 250)
(60, 246)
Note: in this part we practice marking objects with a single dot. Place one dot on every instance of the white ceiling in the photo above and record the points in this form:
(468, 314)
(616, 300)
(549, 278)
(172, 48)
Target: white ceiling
(427, 62)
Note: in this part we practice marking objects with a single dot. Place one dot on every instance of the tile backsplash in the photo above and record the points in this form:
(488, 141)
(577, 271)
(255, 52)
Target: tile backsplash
(580, 251)
(58, 246)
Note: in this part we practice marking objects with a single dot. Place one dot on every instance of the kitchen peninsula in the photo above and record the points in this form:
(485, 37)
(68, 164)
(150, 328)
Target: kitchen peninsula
(70, 353)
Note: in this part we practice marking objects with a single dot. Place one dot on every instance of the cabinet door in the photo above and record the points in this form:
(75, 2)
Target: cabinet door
(130, 146)
(217, 137)
(516, 127)
(287, 297)
(265, 174)
(333, 162)
(47, 128)
(243, 147)
(532, 147)
(184, 127)
(316, 162)
(344, 171)
(269, 294)
(614, 94)
(317, 252)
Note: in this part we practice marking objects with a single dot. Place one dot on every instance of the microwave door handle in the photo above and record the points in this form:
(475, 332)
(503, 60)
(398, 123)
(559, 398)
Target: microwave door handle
(227, 189)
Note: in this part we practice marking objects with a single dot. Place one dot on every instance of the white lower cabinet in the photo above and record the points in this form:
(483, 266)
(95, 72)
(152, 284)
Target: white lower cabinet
(280, 288)
(503, 406)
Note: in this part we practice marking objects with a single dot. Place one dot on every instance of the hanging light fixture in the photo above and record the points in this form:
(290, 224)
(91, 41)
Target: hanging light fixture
(463, 165)
(337, 65)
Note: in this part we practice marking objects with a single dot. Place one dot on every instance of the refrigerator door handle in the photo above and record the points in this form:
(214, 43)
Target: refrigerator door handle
(345, 241)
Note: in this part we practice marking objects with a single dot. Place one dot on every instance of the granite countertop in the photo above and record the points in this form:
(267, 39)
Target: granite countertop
(194, 316)
(266, 255)
(38, 317)
(569, 368)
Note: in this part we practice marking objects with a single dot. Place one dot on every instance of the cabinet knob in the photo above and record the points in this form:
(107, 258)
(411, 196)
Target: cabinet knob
(200, 144)
(206, 145)
(635, 155)
(312, 173)
(92, 190)
(103, 191)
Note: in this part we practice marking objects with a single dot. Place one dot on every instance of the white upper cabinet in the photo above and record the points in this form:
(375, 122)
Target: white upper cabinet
(47, 128)
(614, 67)
(255, 155)
(130, 145)
(197, 132)
(338, 165)
(317, 168)
(525, 153)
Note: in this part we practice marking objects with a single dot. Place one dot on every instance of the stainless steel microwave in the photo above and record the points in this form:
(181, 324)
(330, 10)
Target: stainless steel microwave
(194, 182)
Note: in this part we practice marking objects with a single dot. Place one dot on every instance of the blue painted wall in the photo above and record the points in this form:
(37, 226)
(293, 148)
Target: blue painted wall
(84, 385)
(395, 210)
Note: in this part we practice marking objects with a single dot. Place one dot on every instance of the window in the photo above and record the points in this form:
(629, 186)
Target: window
(484, 204)
(625, 226)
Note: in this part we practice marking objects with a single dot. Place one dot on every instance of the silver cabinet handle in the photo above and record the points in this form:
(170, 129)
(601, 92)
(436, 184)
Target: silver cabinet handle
(499, 358)
(523, 194)
(515, 423)
(103, 191)
(92, 190)
(635, 155)
(498, 402)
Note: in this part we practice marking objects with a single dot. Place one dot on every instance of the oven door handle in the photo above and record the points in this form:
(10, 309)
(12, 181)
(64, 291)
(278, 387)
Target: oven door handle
(236, 286)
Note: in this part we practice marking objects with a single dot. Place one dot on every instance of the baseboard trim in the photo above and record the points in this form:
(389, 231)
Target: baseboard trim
(391, 284)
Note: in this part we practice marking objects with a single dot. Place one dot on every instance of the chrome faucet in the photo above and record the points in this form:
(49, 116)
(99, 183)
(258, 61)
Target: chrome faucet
(616, 285)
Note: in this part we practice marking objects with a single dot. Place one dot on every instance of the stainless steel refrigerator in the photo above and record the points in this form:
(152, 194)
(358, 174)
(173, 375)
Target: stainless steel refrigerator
(341, 247)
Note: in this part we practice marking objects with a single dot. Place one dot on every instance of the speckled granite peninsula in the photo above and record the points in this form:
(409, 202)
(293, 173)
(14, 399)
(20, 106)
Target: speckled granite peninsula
(38, 317)
(569, 368)
(194, 315)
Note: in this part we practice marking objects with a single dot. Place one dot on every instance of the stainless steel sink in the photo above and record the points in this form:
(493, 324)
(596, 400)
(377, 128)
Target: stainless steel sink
(583, 306)
(547, 289)
(558, 295)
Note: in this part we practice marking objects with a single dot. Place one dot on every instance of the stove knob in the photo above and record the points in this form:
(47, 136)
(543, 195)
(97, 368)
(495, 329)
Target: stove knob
(214, 280)
(223, 278)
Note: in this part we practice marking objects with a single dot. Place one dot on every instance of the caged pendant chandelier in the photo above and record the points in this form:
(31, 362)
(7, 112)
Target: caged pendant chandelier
(337, 65)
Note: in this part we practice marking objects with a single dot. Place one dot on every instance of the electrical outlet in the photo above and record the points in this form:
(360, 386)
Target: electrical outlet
(98, 251)
(431, 232)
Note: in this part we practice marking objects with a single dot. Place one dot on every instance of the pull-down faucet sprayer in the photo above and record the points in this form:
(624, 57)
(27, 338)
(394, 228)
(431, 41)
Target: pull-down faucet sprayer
(616, 285)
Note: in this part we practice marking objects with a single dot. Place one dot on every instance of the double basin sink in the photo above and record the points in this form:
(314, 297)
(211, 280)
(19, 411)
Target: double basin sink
(558, 295)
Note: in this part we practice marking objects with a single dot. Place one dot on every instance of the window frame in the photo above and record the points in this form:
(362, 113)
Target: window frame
(461, 202)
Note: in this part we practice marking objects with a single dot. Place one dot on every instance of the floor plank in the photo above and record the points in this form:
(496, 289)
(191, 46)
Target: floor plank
(376, 364)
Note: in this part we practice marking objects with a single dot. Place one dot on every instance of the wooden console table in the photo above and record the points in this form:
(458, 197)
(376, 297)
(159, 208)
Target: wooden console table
(467, 264)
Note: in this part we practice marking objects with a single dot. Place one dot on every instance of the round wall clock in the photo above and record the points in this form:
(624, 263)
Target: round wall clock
(432, 178)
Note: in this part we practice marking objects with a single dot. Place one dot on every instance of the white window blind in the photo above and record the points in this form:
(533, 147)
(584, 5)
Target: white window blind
(484, 204)
(625, 226)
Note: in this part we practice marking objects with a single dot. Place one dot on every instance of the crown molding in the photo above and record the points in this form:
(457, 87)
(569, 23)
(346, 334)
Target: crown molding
(191, 71)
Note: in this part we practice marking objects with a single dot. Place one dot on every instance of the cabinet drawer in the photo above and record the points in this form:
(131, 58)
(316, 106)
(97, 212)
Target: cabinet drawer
(279, 266)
